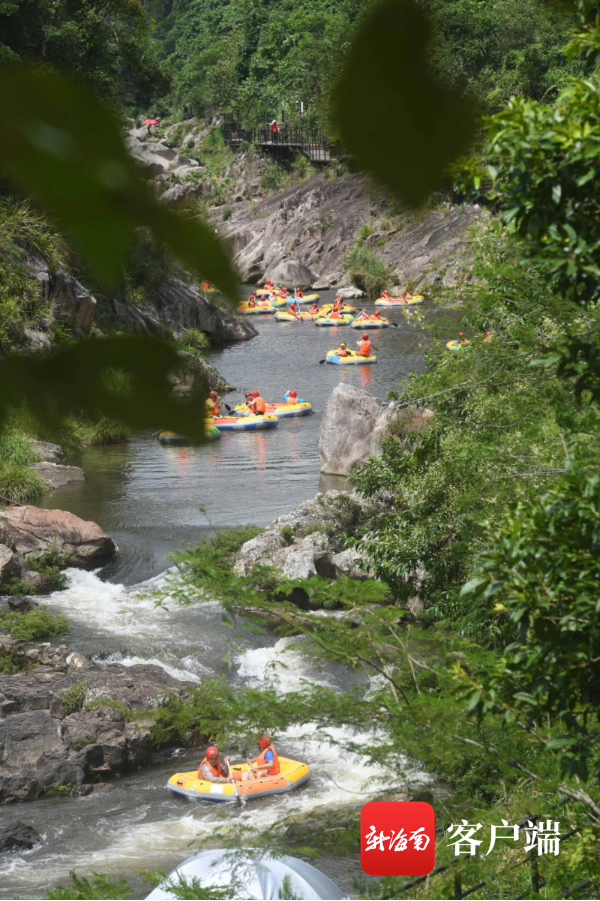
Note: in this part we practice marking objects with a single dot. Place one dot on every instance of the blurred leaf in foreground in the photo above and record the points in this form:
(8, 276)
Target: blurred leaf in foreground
(396, 120)
(63, 146)
(125, 378)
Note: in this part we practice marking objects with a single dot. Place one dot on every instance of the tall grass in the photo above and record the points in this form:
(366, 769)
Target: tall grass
(20, 483)
(367, 271)
(98, 432)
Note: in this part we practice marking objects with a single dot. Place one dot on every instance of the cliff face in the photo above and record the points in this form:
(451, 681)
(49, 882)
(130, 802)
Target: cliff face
(317, 221)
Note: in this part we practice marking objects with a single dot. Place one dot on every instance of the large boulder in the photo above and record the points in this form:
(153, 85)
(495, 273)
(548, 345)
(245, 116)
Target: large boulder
(158, 159)
(351, 430)
(58, 476)
(354, 423)
(71, 303)
(34, 531)
(18, 835)
(291, 272)
(47, 452)
(9, 564)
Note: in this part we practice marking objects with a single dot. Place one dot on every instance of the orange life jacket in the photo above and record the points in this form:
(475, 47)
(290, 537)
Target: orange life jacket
(299, 294)
(251, 301)
(365, 348)
(334, 314)
(215, 770)
(260, 760)
(259, 406)
(342, 352)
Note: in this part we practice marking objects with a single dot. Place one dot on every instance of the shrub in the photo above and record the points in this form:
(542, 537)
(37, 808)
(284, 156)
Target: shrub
(51, 565)
(365, 231)
(74, 697)
(194, 342)
(366, 270)
(58, 789)
(273, 178)
(227, 214)
(33, 626)
(20, 483)
(15, 449)
(98, 433)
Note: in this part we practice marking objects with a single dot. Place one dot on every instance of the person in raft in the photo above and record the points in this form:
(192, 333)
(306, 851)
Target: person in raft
(212, 404)
(406, 295)
(291, 397)
(293, 309)
(314, 307)
(377, 314)
(298, 293)
(362, 315)
(266, 764)
(211, 767)
(342, 351)
(252, 299)
(385, 295)
(364, 345)
(257, 405)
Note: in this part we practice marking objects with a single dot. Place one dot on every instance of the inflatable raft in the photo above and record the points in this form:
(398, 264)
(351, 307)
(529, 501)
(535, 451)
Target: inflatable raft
(305, 316)
(353, 359)
(244, 423)
(172, 438)
(371, 322)
(292, 775)
(344, 319)
(399, 301)
(282, 410)
(308, 298)
(346, 308)
(457, 344)
(260, 309)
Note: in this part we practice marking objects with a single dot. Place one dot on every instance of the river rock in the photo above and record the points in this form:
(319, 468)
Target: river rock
(156, 158)
(194, 372)
(354, 423)
(9, 564)
(307, 541)
(351, 293)
(182, 194)
(34, 531)
(48, 734)
(18, 835)
(71, 303)
(291, 272)
(57, 475)
(352, 427)
(47, 452)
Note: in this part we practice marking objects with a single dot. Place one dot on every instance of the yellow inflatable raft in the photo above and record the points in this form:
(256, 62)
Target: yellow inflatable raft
(308, 298)
(457, 344)
(282, 410)
(399, 301)
(329, 306)
(371, 322)
(305, 316)
(292, 775)
(261, 309)
(353, 359)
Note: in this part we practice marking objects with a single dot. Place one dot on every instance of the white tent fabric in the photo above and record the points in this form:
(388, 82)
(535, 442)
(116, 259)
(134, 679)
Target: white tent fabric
(252, 876)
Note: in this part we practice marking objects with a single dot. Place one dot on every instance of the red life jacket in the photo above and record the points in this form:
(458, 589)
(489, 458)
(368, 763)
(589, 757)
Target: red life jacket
(259, 406)
(260, 760)
(365, 348)
(215, 770)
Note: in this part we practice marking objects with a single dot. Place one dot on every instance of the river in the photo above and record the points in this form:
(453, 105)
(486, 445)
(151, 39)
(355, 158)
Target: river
(151, 499)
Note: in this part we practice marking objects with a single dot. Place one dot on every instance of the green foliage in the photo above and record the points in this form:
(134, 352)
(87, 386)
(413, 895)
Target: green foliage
(541, 170)
(83, 888)
(540, 569)
(58, 789)
(365, 231)
(98, 433)
(33, 626)
(194, 342)
(89, 739)
(432, 123)
(81, 377)
(20, 483)
(65, 149)
(274, 177)
(102, 41)
(50, 564)
(73, 698)
(10, 664)
(366, 270)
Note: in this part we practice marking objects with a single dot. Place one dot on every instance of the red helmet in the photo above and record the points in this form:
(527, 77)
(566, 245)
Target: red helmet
(365, 336)
(213, 394)
(212, 751)
(264, 741)
(292, 394)
(248, 394)
(461, 334)
(255, 393)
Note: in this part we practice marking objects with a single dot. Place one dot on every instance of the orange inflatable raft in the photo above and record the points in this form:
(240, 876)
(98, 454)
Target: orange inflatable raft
(292, 775)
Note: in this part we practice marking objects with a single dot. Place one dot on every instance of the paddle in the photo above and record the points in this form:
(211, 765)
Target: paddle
(238, 797)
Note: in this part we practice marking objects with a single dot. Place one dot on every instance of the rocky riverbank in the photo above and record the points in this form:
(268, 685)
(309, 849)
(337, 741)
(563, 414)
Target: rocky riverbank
(68, 724)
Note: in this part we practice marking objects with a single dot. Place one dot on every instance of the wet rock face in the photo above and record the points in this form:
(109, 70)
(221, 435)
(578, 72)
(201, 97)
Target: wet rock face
(18, 835)
(316, 223)
(29, 530)
(57, 475)
(50, 734)
(72, 303)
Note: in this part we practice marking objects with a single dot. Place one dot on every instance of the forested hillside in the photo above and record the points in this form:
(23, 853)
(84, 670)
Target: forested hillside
(262, 57)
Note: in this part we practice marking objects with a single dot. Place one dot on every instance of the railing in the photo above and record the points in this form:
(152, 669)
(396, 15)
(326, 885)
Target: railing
(284, 143)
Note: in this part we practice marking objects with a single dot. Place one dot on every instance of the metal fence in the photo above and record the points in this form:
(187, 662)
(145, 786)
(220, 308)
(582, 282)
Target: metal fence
(285, 143)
